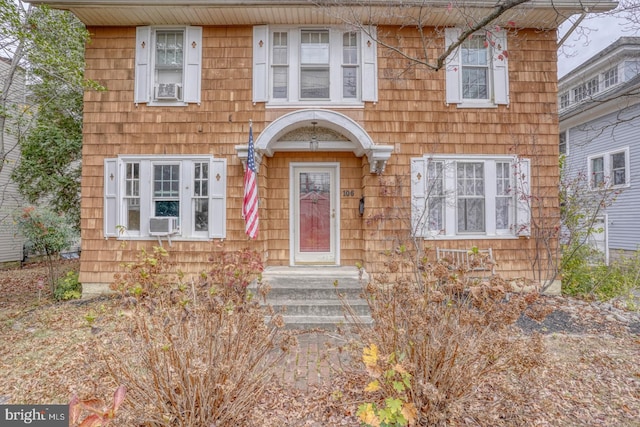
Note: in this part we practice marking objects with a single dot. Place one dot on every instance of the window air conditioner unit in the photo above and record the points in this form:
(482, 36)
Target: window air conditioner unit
(168, 91)
(163, 225)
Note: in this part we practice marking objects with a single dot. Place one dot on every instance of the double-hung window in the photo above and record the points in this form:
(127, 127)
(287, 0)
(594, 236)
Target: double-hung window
(470, 196)
(562, 142)
(565, 100)
(609, 169)
(168, 65)
(610, 77)
(185, 194)
(586, 90)
(477, 70)
(314, 66)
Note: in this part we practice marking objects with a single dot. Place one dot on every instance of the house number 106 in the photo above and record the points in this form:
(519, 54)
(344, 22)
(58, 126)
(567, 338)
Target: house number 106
(348, 193)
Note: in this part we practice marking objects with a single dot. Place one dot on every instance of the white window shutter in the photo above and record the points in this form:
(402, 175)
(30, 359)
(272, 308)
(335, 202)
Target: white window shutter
(217, 199)
(500, 64)
(452, 67)
(369, 56)
(418, 199)
(260, 63)
(142, 88)
(522, 171)
(193, 65)
(110, 197)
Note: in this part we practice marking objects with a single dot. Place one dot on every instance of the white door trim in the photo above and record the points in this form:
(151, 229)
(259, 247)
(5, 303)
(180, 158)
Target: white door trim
(294, 167)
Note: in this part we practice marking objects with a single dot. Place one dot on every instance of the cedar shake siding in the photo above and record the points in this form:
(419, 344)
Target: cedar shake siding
(411, 115)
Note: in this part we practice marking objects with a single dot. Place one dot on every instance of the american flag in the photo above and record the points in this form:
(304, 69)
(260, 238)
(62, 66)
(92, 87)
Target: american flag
(250, 202)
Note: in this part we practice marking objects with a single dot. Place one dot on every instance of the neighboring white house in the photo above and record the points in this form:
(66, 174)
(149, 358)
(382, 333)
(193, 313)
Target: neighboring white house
(599, 114)
(10, 242)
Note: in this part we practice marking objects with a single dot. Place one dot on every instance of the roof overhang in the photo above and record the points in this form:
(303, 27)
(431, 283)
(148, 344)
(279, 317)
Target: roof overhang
(531, 14)
(614, 102)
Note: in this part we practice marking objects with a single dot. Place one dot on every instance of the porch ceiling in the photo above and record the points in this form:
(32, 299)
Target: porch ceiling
(533, 14)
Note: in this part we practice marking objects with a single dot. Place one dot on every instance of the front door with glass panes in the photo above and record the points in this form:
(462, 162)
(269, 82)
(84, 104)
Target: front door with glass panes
(314, 219)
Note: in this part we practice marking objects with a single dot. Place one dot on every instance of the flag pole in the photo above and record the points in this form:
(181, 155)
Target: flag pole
(250, 199)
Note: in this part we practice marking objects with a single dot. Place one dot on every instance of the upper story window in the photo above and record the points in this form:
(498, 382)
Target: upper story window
(585, 90)
(477, 71)
(168, 65)
(610, 77)
(565, 100)
(313, 66)
(474, 54)
(174, 196)
(469, 196)
(609, 169)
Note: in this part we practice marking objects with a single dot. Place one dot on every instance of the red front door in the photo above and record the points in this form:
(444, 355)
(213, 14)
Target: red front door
(314, 215)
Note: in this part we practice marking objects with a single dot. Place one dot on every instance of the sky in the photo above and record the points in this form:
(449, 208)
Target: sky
(597, 33)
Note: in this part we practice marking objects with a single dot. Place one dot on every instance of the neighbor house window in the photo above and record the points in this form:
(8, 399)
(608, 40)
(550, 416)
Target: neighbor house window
(565, 100)
(141, 190)
(586, 90)
(465, 196)
(562, 142)
(611, 77)
(168, 65)
(477, 71)
(313, 65)
(609, 169)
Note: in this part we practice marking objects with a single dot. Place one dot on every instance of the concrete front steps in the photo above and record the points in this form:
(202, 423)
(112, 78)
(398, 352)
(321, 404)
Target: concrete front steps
(307, 298)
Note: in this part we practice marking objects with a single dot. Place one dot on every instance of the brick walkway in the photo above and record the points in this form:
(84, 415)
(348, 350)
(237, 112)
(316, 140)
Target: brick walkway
(315, 361)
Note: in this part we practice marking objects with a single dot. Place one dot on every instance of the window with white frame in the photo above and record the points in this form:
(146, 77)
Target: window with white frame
(610, 77)
(470, 196)
(585, 90)
(168, 61)
(308, 65)
(609, 169)
(565, 100)
(477, 70)
(562, 142)
(188, 192)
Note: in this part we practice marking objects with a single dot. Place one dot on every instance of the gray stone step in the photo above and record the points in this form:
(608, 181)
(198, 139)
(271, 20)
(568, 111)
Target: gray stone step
(304, 291)
(315, 307)
(308, 296)
(327, 323)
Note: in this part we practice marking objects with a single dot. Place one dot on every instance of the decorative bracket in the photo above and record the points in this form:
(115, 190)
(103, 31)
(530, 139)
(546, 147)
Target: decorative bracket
(378, 156)
(243, 154)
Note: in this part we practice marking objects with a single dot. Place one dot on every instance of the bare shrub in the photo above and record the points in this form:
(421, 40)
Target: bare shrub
(450, 335)
(200, 356)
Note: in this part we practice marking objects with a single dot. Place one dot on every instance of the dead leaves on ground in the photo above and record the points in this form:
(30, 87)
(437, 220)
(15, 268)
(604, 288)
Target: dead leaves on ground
(48, 354)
